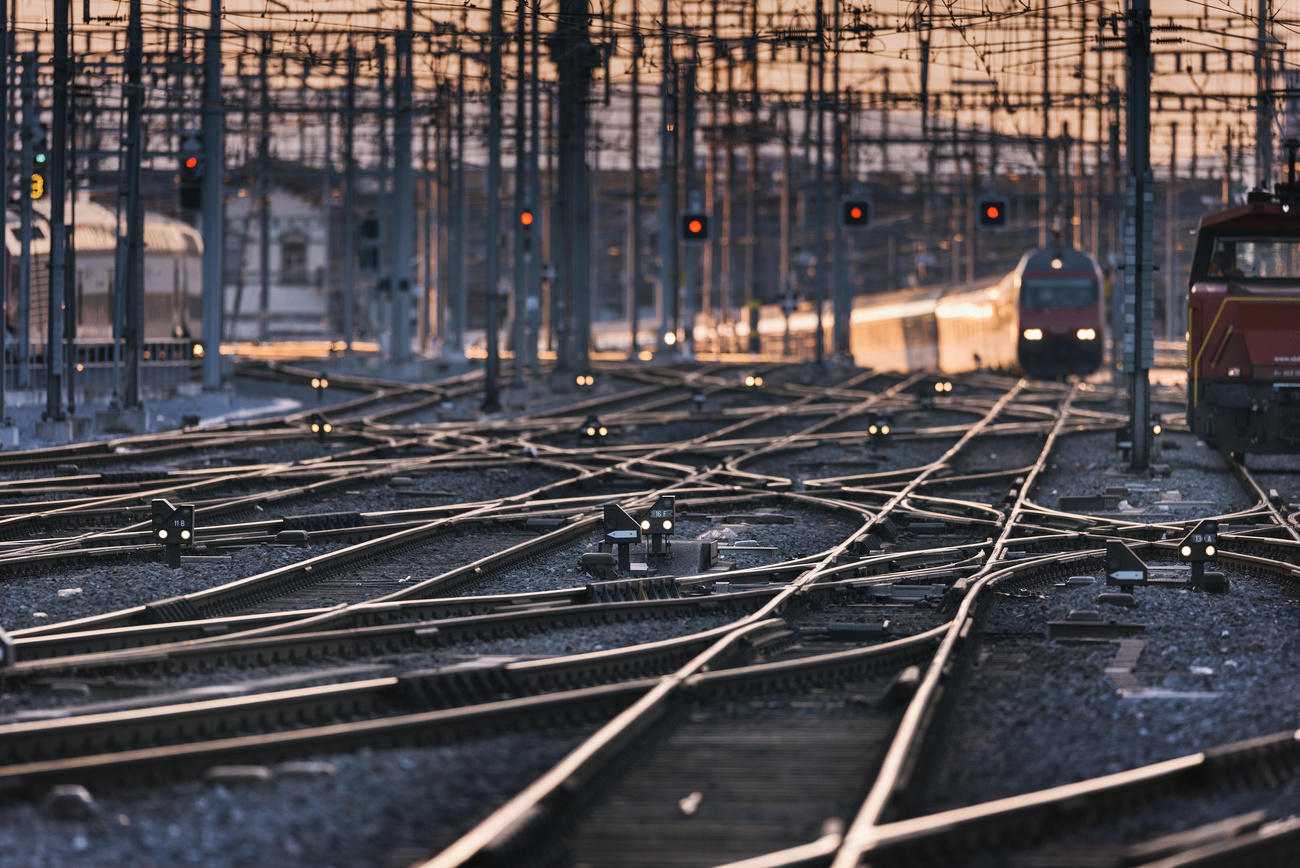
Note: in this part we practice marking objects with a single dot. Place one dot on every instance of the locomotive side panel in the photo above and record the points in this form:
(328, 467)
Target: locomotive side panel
(1243, 308)
(1243, 390)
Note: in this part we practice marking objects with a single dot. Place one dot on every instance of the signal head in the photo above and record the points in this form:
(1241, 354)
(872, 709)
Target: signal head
(695, 227)
(856, 213)
(993, 212)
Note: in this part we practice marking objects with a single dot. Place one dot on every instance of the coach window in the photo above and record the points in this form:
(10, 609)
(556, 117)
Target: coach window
(293, 259)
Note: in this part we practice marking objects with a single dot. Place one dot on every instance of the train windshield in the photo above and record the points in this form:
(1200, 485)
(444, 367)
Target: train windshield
(1058, 292)
(1277, 258)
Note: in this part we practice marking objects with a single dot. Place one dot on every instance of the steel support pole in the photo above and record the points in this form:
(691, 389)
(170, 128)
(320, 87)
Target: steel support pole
(667, 185)
(691, 255)
(1138, 232)
(752, 296)
(24, 347)
(6, 52)
(213, 180)
(460, 290)
(1171, 231)
(133, 324)
(491, 398)
(1263, 102)
(633, 258)
(399, 350)
(533, 305)
(349, 200)
(523, 234)
(819, 219)
(840, 300)
(54, 349)
(575, 58)
(262, 189)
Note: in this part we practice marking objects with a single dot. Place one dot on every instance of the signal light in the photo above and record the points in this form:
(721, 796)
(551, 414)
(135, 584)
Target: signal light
(191, 189)
(993, 212)
(593, 430)
(878, 430)
(1199, 546)
(658, 521)
(173, 527)
(320, 426)
(526, 218)
(38, 184)
(695, 227)
(856, 213)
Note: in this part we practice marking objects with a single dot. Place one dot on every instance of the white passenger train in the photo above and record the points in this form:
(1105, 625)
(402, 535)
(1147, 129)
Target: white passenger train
(173, 262)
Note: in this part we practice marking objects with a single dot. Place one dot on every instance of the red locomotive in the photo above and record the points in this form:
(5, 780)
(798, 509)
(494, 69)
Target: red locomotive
(1060, 312)
(1243, 328)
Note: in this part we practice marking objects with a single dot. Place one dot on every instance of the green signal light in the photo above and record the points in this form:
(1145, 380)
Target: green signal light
(40, 158)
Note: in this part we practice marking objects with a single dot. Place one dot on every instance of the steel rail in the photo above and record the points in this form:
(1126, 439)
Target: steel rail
(560, 782)
(899, 760)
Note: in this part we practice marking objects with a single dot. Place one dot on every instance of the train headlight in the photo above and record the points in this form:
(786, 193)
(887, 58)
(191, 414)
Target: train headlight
(1033, 334)
(198, 351)
(185, 534)
(1210, 551)
(162, 534)
(1185, 551)
(1086, 334)
(1234, 372)
(645, 524)
(668, 525)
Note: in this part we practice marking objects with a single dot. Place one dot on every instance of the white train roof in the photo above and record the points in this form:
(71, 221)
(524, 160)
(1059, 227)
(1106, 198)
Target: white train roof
(96, 231)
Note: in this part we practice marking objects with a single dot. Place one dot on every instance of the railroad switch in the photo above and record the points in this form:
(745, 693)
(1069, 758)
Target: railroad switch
(1088, 624)
(600, 565)
(173, 527)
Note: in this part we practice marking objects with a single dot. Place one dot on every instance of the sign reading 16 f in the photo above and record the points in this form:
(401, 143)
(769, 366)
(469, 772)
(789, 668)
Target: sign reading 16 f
(38, 186)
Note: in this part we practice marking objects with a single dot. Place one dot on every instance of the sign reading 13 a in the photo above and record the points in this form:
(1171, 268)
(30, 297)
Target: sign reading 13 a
(38, 186)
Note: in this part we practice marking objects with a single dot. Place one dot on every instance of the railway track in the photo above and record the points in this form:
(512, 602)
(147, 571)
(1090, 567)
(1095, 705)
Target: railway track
(776, 690)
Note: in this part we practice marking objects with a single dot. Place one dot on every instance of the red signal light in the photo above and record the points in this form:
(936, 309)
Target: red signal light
(695, 227)
(525, 218)
(992, 212)
(191, 162)
(855, 212)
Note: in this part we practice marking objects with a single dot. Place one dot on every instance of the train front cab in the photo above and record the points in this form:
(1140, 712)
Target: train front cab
(1061, 325)
(1243, 330)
